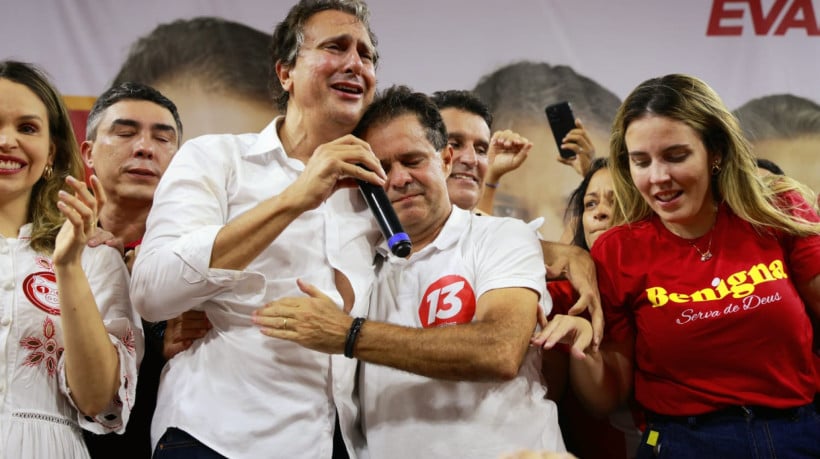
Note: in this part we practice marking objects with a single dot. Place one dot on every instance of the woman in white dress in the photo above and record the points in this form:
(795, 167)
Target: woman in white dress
(70, 342)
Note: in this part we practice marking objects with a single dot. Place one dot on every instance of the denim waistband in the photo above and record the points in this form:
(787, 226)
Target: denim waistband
(747, 412)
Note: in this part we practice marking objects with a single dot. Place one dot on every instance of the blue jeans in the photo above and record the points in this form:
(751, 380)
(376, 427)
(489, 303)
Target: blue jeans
(177, 444)
(735, 433)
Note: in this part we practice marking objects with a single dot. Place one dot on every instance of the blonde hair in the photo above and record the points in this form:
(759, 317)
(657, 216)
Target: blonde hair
(43, 213)
(689, 100)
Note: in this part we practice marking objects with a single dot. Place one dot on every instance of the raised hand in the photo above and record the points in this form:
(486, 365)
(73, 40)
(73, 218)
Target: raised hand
(578, 141)
(507, 152)
(80, 209)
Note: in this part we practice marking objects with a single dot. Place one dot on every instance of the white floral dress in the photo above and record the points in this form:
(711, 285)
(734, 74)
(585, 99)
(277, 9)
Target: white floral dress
(38, 418)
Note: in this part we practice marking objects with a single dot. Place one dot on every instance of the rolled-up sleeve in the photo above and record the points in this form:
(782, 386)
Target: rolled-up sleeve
(172, 272)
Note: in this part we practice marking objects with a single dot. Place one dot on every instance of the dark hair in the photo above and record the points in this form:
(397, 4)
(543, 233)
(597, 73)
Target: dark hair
(779, 116)
(575, 208)
(769, 166)
(289, 35)
(467, 101)
(525, 88)
(396, 101)
(222, 55)
(128, 91)
(46, 219)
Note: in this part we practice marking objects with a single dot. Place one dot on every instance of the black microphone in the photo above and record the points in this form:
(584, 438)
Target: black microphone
(397, 239)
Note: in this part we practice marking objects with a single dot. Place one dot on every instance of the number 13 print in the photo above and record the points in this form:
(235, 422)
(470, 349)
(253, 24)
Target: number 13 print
(449, 300)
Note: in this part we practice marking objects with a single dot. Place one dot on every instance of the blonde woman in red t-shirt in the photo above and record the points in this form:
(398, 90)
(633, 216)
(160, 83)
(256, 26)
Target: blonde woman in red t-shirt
(709, 286)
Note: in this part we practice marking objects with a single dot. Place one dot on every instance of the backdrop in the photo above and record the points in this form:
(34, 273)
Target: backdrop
(745, 49)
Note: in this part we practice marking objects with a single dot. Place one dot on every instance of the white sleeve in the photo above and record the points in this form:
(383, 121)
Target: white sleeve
(108, 278)
(510, 255)
(172, 272)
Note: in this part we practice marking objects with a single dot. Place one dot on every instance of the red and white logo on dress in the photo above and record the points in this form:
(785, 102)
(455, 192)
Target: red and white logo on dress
(41, 288)
(449, 300)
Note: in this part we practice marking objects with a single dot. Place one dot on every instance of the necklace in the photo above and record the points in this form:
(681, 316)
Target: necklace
(707, 255)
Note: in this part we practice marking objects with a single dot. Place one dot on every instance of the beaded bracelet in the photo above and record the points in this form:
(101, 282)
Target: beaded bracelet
(491, 185)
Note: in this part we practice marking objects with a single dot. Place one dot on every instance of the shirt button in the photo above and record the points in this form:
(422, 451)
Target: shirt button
(9, 285)
(5, 321)
(4, 249)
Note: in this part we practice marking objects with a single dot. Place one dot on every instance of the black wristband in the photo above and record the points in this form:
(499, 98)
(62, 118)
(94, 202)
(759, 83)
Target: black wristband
(352, 335)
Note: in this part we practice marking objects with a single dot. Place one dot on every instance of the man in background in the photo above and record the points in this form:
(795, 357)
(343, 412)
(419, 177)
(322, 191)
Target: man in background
(479, 162)
(785, 129)
(479, 159)
(216, 71)
(132, 132)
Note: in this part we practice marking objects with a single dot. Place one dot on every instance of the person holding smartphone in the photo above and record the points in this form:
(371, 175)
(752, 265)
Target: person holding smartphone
(574, 145)
(479, 159)
(709, 286)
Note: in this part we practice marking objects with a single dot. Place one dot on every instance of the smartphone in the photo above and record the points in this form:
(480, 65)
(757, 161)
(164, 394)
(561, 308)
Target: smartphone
(561, 121)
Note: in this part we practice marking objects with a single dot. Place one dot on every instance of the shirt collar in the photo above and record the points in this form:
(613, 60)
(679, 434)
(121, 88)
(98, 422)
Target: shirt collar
(25, 231)
(268, 142)
(454, 226)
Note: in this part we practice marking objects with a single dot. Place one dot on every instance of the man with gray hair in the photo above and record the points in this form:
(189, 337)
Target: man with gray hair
(236, 220)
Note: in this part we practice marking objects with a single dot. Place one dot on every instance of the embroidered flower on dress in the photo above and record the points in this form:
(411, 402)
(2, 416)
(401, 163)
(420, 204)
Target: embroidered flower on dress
(44, 349)
(128, 341)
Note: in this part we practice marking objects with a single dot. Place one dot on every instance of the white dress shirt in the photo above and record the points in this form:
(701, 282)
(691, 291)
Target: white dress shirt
(237, 391)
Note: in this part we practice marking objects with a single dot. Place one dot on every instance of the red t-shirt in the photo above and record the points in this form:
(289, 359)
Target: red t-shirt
(728, 331)
(563, 296)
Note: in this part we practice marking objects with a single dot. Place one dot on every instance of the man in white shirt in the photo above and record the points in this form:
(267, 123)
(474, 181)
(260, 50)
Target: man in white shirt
(446, 370)
(236, 219)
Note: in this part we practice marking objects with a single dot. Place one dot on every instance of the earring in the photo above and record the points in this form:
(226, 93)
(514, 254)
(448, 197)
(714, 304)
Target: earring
(48, 172)
(716, 167)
